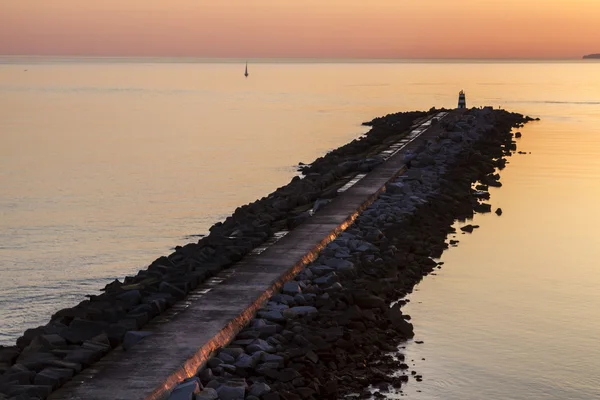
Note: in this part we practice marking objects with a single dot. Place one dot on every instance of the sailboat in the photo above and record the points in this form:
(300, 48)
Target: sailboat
(246, 73)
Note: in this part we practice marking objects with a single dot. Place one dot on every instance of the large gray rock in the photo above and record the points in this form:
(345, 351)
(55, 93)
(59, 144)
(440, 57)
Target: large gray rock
(328, 279)
(186, 390)
(339, 265)
(271, 315)
(260, 345)
(321, 269)
(207, 394)
(284, 298)
(246, 362)
(292, 288)
(259, 388)
(227, 392)
(233, 351)
(226, 358)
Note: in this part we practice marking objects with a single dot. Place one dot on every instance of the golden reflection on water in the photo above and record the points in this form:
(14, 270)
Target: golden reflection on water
(513, 313)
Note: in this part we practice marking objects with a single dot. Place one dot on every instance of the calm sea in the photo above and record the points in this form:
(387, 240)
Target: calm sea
(107, 164)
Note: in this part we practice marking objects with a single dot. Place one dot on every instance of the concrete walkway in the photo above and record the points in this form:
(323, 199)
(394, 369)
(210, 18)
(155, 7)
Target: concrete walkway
(184, 337)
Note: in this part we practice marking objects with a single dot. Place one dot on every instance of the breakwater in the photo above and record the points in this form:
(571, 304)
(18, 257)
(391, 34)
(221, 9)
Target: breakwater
(47, 357)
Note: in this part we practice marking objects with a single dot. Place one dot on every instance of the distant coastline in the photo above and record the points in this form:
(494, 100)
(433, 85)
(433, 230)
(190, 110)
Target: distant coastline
(592, 56)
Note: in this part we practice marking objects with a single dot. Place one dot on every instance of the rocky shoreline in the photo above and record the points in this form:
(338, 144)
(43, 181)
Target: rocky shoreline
(331, 332)
(46, 357)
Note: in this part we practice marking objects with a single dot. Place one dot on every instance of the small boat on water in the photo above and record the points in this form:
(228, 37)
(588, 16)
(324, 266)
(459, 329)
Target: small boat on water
(246, 73)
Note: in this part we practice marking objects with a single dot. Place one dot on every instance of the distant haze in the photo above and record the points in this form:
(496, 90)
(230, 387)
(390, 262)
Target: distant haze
(302, 28)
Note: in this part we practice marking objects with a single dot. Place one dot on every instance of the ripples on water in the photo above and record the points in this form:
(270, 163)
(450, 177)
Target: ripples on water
(106, 166)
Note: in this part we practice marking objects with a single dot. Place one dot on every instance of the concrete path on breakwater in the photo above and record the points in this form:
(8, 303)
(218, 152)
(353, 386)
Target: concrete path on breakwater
(184, 337)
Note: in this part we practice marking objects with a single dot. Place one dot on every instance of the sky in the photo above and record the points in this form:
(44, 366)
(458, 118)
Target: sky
(302, 28)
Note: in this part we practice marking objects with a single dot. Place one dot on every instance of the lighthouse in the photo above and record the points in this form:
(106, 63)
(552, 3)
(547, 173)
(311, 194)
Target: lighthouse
(462, 103)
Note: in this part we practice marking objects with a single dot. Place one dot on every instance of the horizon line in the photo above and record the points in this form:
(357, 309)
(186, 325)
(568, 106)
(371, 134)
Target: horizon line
(238, 58)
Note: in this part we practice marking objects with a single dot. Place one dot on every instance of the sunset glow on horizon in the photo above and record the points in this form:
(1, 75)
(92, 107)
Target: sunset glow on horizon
(309, 28)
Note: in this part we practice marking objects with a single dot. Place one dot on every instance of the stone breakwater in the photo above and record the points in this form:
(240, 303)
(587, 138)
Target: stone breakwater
(331, 332)
(46, 357)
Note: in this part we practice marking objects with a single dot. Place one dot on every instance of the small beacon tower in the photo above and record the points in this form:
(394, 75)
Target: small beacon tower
(462, 103)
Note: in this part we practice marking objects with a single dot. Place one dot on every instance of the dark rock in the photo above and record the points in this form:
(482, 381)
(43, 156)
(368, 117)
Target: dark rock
(214, 362)
(231, 369)
(271, 315)
(259, 389)
(260, 345)
(53, 341)
(226, 392)
(301, 311)
(207, 394)
(36, 361)
(186, 390)
(306, 392)
(19, 377)
(9, 354)
(54, 377)
(39, 391)
(271, 396)
(311, 356)
(246, 362)
(399, 322)
(467, 228)
(498, 211)
(288, 374)
(174, 291)
(130, 297)
(206, 375)
(28, 336)
(367, 300)
(235, 352)
(291, 288)
(80, 330)
(83, 356)
(214, 384)
(227, 358)
(483, 208)
(276, 359)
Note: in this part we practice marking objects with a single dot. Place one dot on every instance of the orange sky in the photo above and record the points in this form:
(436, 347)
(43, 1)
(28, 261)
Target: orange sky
(302, 28)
